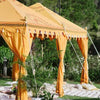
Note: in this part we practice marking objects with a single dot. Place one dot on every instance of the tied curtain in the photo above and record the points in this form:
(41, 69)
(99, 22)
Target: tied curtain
(15, 69)
(83, 45)
(61, 47)
(20, 43)
(61, 43)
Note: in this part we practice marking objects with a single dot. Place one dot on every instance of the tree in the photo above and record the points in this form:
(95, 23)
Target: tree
(5, 52)
(79, 11)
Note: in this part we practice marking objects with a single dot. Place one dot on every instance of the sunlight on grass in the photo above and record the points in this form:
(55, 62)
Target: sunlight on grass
(72, 82)
(3, 81)
(97, 85)
(77, 98)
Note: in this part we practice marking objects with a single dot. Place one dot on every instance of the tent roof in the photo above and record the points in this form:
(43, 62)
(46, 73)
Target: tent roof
(39, 20)
(14, 12)
(71, 29)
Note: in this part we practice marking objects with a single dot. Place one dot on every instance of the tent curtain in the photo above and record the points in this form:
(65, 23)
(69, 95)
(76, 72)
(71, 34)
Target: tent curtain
(61, 47)
(15, 69)
(83, 45)
(20, 43)
(21, 91)
(22, 88)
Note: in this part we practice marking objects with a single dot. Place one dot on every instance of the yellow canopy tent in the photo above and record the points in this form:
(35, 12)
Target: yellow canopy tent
(71, 30)
(19, 25)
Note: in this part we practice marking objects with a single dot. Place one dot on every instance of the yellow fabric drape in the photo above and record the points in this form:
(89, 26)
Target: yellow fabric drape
(20, 43)
(15, 69)
(61, 47)
(83, 45)
(21, 91)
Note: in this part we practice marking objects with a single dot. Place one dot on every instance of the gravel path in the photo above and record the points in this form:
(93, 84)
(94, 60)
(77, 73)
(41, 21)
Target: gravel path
(72, 90)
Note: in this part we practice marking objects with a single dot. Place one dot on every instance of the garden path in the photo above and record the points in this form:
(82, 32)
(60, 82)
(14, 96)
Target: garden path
(69, 89)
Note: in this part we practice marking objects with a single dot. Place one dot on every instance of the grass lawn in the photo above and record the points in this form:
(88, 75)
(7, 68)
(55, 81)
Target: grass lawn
(3, 81)
(77, 98)
(97, 85)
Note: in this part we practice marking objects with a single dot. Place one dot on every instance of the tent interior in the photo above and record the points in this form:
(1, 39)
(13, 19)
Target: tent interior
(19, 25)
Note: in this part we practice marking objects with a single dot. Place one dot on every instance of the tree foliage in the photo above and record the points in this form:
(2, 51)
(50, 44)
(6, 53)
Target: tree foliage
(80, 11)
(5, 52)
(48, 56)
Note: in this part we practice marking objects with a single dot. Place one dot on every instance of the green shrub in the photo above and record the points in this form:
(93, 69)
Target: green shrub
(95, 26)
(94, 68)
(47, 96)
(42, 74)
